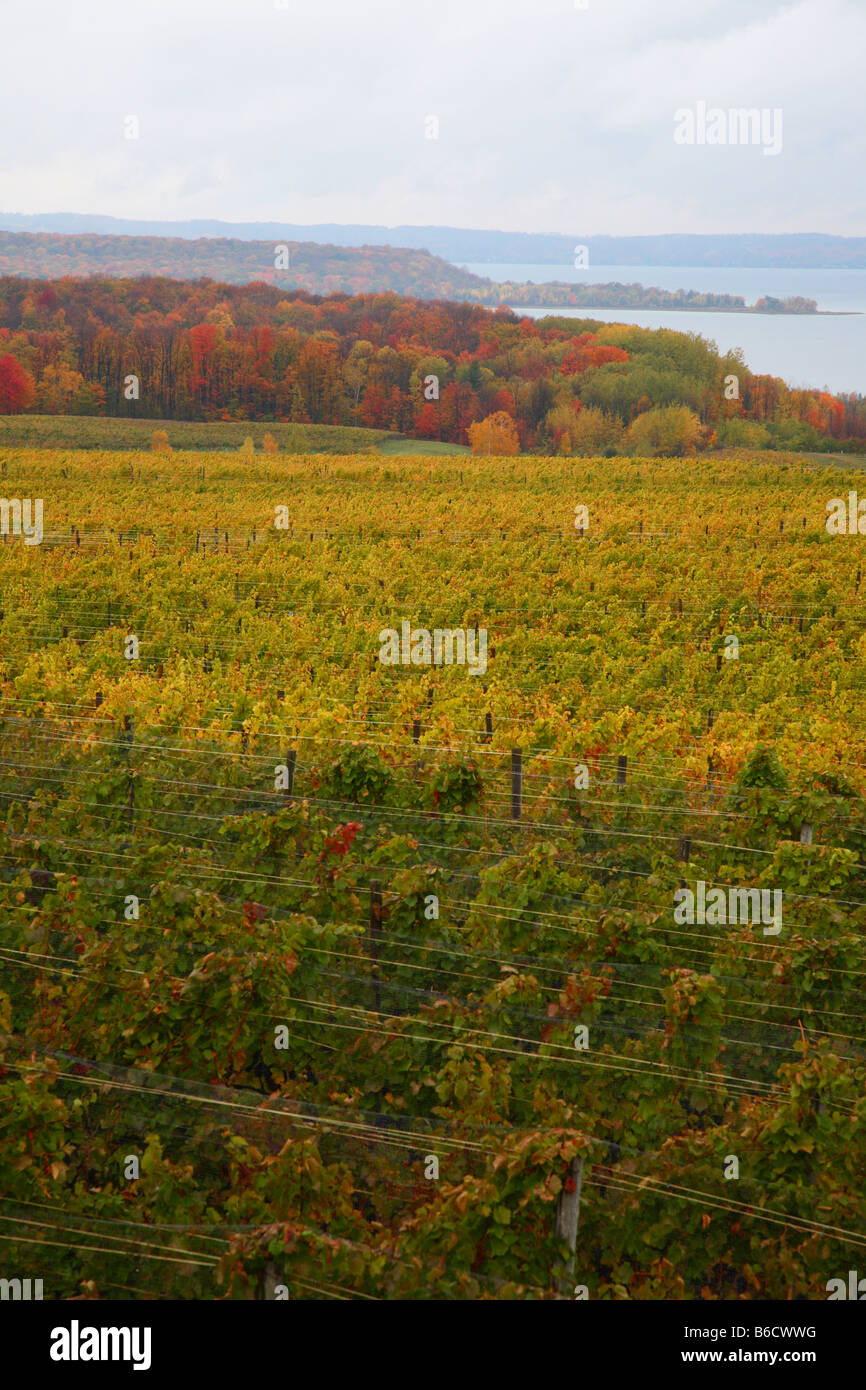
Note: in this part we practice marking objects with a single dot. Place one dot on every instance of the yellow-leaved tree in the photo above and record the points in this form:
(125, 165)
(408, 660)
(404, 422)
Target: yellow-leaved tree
(494, 435)
(671, 431)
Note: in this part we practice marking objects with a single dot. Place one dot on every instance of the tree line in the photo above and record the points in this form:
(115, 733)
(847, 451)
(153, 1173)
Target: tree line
(160, 348)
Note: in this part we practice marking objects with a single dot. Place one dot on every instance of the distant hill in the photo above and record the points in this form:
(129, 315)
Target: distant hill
(320, 269)
(323, 270)
(462, 245)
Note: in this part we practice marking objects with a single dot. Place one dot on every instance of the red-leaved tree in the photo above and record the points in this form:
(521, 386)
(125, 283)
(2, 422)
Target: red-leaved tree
(17, 387)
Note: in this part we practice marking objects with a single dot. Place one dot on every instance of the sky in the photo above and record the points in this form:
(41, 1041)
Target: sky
(551, 117)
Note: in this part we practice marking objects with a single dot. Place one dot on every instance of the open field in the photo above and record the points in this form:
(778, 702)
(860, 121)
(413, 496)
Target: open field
(109, 432)
(322, 971)
(426, 448)
(99, 432)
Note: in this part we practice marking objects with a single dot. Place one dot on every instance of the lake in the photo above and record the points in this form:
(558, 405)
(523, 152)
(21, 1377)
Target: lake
(805, 350)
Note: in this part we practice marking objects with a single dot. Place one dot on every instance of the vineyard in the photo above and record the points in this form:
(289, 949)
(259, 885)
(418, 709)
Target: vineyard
(329, 976)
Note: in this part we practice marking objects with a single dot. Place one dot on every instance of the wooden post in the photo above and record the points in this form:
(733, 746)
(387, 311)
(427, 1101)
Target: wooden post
(291, 759)
(488, 725)
(268, 1282)
(710, 720)
(375, 934)
(130, 795)
(805, 833)
(684, 851)
(567, 1212)
(516, 783)
(621, 769)
(416, 730)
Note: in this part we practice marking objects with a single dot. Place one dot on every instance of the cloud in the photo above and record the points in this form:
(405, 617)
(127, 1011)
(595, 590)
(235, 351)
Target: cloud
(551, 118)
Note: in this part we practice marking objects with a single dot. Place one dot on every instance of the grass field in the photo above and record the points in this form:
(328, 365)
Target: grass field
(104, 432)
(426, 448)
(371, 965)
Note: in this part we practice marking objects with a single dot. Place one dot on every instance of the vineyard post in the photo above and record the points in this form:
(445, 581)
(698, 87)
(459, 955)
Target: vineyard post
(291, 759)
(567, 1211)
(621, 769)
(416, 735)
(375, 933)
(130, 795)
(516, 783)
(806, 833)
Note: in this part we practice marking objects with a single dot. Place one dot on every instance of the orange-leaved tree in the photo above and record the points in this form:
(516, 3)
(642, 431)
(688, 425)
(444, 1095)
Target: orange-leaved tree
(496, 434)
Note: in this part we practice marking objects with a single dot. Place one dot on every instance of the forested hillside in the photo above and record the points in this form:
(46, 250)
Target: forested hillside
(302, 265)
(165, 349)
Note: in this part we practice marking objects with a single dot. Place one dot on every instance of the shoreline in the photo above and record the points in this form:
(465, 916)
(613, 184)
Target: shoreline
(690, 309)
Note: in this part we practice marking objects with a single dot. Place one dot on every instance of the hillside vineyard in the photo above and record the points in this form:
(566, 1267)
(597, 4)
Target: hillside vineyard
(328, 975)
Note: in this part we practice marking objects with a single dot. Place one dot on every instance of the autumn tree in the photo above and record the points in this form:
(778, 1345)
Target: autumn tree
(494, 435)
(460, 407)
(58, 389)
(355, 368)
(672, 431)
(319, 381)
(159, 442)
(591, 431)
(17, 387)
(269, 444)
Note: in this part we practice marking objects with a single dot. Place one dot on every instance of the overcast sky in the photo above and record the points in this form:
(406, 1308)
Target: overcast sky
(551, 117)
